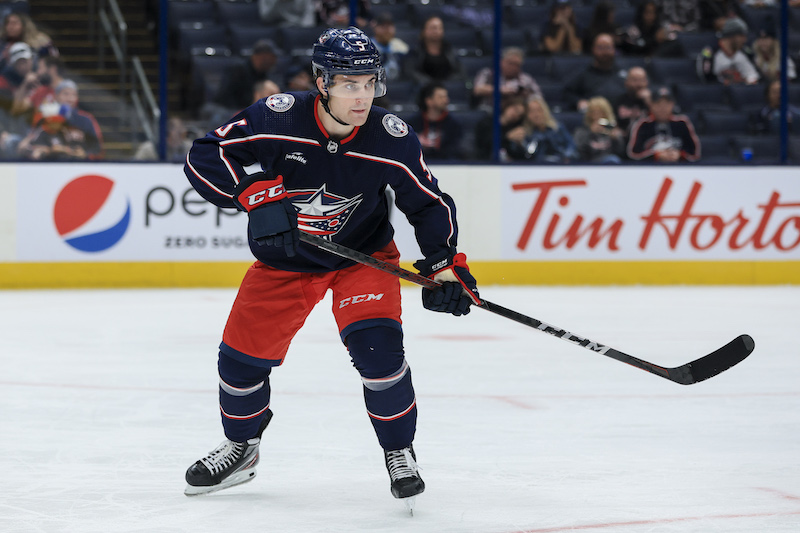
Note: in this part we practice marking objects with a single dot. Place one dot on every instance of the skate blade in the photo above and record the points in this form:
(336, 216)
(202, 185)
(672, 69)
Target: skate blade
(410, 502)
(235, 479)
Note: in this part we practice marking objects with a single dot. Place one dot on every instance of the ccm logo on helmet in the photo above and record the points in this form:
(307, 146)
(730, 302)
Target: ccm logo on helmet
(260, 196)
(359, 299)
(363, 61)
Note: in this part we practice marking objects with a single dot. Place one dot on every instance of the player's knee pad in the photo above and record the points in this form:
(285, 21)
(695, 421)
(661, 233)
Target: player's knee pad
(377, 354)
(243, 397)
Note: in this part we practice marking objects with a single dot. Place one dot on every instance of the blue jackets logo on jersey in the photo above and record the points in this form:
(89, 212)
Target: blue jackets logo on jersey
(322, 213)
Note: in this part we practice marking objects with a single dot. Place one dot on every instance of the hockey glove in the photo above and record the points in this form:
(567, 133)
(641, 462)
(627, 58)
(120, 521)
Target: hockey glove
(273, 218)
(458, 289)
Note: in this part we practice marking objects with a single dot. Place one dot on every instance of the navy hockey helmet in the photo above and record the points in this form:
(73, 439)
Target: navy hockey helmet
(347, 51)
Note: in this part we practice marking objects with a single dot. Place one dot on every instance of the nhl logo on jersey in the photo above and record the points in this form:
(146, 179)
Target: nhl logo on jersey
(333, 146)
(280, 102)
(395, 125)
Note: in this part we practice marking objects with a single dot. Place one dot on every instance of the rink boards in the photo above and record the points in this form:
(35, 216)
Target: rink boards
(141, 225)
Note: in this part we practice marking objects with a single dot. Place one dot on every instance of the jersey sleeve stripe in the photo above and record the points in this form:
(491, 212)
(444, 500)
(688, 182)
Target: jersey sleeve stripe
(416, 180)
(263, 136)
(204, 180)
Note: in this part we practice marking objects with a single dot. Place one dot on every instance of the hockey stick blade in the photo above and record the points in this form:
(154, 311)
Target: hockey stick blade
(698, 370)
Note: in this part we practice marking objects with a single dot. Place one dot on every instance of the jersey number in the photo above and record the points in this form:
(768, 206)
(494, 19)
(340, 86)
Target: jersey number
(222, 131)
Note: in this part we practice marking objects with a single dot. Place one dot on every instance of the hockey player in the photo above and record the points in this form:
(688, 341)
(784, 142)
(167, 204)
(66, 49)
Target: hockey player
(320, 162)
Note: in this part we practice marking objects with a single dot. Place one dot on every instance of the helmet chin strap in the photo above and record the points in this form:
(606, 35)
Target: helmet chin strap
(327, 109)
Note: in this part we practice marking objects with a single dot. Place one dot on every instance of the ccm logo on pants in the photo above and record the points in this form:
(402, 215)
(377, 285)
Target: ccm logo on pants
(359, 299)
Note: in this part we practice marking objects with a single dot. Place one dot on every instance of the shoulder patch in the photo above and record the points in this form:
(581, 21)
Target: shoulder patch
(395, 125)
(280, 102)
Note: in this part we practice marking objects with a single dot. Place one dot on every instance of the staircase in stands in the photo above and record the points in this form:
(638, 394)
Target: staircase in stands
(68, 24)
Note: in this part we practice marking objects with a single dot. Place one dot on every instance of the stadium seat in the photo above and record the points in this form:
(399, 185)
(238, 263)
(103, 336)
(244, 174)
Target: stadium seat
(765, 149)
(465, 41)
(676, 70)
(401, 13)
(299, 41)
(239, 14)
(565, 67)
(527, 15)
(458, 93)
(569, 119)
(186, 13)
(693, 43)
(627, 62)
(723, 122)
(710, 96)
(553, 93)
(472, 65)
(208, 71)
(746, 97)
(468, 120)
(716, 149)
(243, 39)
(204, 40)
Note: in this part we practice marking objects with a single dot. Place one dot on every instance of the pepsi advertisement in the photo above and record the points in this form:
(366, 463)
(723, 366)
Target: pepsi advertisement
(121, 213)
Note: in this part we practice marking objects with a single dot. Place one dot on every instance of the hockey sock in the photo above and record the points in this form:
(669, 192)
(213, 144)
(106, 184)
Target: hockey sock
(243, 397)
(377, 354)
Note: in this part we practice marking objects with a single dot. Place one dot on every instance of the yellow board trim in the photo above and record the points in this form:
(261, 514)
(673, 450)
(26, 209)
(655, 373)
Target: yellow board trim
(229, 274)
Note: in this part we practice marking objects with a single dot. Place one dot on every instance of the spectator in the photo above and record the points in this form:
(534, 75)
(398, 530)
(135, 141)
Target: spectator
(393, 50)
(236, 90)
(648, 35)
(635, 102)
(545, 140)
(599, 140)
(288, 13)
(662, 136)
(178, 144)
(714, 13)
(767, 120)
(263, 89)
(681, 15)
(50, 72)
(512, 113)
(439, 133)
(561, 34)
(728, 63)
(433, 57)
(600, 78)
(767, 57)
(61, 131)
(299, 78)
(19, 28)
(513, 81)
(15, 78)
(602, 22)
(336, 13)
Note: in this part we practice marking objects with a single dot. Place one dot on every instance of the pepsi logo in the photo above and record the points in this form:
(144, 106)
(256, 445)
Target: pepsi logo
(91, 214)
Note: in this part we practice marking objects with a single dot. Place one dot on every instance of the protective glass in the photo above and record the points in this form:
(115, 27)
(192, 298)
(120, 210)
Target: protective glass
(356, 86)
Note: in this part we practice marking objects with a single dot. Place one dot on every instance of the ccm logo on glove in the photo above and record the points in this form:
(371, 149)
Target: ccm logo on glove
(262, 191)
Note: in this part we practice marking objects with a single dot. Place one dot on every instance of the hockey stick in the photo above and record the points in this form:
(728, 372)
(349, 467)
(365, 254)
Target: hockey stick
(698, 370)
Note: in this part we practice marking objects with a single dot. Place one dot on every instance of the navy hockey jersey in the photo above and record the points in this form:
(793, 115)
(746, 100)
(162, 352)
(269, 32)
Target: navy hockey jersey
(337, 187)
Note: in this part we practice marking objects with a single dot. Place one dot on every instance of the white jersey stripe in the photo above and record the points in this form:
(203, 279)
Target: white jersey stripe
(242, 417)
(413, 177)
(204, 180)
(393, 417)
(262, 136)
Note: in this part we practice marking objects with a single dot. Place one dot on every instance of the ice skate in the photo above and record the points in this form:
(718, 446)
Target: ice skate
(230, 464)
(403, 472)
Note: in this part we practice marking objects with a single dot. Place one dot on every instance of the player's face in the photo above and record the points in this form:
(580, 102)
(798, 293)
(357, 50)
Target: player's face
(350, 97)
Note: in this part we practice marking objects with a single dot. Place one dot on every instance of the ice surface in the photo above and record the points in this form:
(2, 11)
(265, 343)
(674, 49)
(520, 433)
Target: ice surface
(108, 396)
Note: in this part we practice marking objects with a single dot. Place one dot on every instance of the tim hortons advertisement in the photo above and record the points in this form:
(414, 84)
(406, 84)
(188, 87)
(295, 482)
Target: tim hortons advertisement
(143, 212)
(651, 213)
(121, 213)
